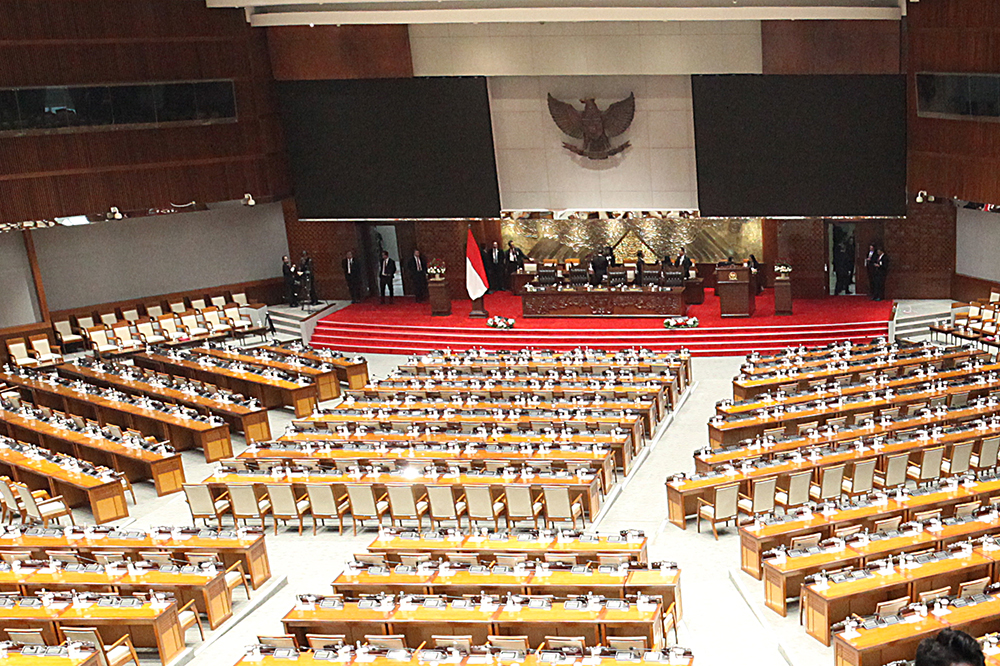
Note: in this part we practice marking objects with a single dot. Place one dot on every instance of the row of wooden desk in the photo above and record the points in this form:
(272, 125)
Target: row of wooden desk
(759, 366)
(182, 432)
(320, 373)
(671, 657)
(352, 371)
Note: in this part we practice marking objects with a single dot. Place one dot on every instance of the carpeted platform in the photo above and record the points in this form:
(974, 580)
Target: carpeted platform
(408, 327)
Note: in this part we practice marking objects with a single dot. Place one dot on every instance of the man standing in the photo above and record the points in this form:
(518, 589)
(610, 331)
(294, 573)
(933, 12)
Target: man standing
(353, 276)
(869, 268)
(494, 267)
(841, 268)
(881, 267)
(684, 263)
(310, 279)
(598, 268)
(640, 268)
(386, 273)
(513, 261)
(288, 273)
(417, 269)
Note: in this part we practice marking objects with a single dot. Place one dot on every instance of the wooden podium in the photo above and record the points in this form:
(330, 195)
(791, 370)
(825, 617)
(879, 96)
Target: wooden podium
(440, 299)
(783, 295)
(736, 291)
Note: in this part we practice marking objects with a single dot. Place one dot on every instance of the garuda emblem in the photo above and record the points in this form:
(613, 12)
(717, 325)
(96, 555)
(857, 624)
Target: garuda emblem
(594, 126)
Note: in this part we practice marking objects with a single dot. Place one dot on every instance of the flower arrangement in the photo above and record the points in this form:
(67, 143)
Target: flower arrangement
(436, 268)
(783, 268)
(680, 322)
(503, 323)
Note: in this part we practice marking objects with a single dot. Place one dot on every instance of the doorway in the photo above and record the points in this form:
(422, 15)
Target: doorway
(382, 237)
(841, 248)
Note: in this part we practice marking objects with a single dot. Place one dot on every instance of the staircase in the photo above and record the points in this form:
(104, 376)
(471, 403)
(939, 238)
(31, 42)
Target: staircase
(295, 323)
(911, 318)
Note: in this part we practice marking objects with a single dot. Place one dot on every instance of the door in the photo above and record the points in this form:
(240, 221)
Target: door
(841, 252)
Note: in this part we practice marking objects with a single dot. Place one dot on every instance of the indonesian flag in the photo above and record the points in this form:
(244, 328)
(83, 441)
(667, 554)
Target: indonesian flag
(475, 272)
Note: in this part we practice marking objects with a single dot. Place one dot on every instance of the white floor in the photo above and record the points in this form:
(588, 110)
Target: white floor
(725, 621)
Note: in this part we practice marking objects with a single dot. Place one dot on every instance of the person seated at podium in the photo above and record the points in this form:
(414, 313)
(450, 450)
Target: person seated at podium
(727, 263)
(598, 268)
(640, 269)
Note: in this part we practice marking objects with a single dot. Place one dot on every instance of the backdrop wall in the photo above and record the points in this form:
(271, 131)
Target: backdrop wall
(18, 302)
(149, 256)
(977, 244)
(536, 171)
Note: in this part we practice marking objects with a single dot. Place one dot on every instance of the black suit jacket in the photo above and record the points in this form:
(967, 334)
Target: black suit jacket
(684, 263)
(354, 273)
(517, 262)
(411, 266)
(599, 263)
(389, 270)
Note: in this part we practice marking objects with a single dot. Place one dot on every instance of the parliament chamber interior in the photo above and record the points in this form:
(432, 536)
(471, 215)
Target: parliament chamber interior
(464, 333)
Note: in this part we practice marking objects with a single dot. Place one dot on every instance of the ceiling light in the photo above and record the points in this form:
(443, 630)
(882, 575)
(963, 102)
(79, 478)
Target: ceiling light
(248, 200)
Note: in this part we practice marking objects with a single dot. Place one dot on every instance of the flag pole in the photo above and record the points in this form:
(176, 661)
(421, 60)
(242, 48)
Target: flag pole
(474, 257)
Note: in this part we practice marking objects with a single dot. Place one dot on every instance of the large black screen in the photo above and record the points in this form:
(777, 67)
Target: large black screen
(387, 148)
(800, 145)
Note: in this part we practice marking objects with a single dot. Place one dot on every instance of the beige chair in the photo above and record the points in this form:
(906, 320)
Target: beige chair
(238, 320)
(860, 417)
(109, 556)
(65, 335)
(721, 510)
(170, 327)
(365, 505)
(469, 559)
(282, 641)
(887, 524)
(515, 643)
(45, 510)
(560, 642)
(131, 315)
(404, 504)
(43, 351)
(523, 504)
(246, 504)
(895, 471)
(218, 301)
(161, 557)
(931, 595)
(510, 559)
(177, 307)
(561, 558)
(154, 311)
(126, 341)
(235, 575)
(187, 617)
(462, 644)
(805, 541)
(806, 426)
(629, 643)
(613, 559)
(27, 636)
(216, 321)
(203, 505)
(560, 508)
(986, 457)
(761, 498)
(891, 607)
(444, 506)
(149, 332)
(10, 556)
(830, 481)
(84, 322)
(371, 559)
(413, 559)
(482, 506)
(969, 587)
(12, 506)
(929, 467)
(967, 508)
(389, 642)
(843, 531)
(862, 478)
(101, 341)
(189, 320)
(241, 299)
(118, 653)
(286, 506)
(921, 516)
(797, 492)
(17, 352)
(326, 505)
(198, 304)
(960, 460)
(109, 319)
(321, 641)
(64, 556)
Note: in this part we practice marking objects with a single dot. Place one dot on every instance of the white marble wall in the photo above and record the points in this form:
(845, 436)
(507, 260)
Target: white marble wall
(535, 171)
(586, 48)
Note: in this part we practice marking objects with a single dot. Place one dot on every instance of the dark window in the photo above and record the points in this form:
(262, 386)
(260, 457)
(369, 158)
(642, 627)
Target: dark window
(958, 95)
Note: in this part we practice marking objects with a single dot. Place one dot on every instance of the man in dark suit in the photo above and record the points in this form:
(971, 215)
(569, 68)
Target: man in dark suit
(640, 269)
(386, 273)
(869, 268)
(417, 270)
(513, 262)
(684, 263)
(880, 266)
(494, 265)
(352, 273)
(598, 268)
(609, 254)
(288, 273)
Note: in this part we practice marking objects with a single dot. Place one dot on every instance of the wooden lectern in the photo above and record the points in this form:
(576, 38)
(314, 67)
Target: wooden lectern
(439, 297)
(736, 291)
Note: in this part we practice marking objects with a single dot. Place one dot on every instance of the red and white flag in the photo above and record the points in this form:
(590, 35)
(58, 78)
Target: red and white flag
(475, 272)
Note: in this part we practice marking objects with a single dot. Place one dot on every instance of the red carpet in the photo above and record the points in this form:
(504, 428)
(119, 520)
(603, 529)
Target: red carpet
(407, 327)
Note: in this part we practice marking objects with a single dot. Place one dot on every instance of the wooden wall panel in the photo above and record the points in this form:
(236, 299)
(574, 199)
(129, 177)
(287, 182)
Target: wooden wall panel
(921, 249)
(830, 47)
(802, 243)
(340, 52)
(953, 158)
(63, 42)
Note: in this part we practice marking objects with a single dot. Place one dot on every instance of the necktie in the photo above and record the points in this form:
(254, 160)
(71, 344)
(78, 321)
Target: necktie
(418, 265)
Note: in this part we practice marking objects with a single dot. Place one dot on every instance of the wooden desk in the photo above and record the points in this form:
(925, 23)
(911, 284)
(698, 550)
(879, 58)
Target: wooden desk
(824, 606)
(106, 499)
(252, 422)
(250, 549)
(183, 433)
(84, 657)
(872, 354)
(351, 371)
(531, 659)
(419, 624)
(749, 387)
(325, 378)
(269, 392)
(453, 582)
(148, 626)
(209, 592)
(165, 470)
(604, 302)
(586, 487)
(392, 543)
